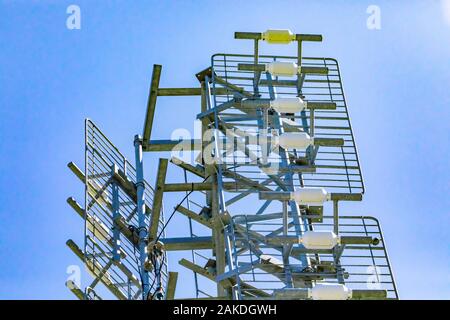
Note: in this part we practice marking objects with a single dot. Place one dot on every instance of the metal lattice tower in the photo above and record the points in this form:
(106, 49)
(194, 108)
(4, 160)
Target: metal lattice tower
(275, 158)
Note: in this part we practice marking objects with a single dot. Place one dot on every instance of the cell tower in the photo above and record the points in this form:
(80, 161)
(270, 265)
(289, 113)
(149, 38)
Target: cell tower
(275, 158)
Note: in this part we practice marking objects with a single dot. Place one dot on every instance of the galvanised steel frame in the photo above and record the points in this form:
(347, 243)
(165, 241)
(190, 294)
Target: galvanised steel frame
(335, 167)
(361, 266)
(249, 226)
(116, 212)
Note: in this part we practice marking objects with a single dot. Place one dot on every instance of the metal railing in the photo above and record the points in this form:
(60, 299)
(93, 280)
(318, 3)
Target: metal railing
(111, 220)
(337, 168)
(261, 265)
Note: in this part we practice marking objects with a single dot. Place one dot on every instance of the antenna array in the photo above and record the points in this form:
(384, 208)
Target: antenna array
(275, 159)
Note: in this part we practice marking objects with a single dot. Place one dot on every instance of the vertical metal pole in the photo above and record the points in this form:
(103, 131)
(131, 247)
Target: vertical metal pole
(140, 188)
(218, 236)
(336, 217)
(235, 258)
(338, 249)
(256, 74)
(209, 168)
(130, 296)
(300, 78)
(188, 205)
(235, 289)
(310, 149)
(115, 216)
(286, 247)
(299, 64)
(263, 132)
(216, 199)
(216, 148)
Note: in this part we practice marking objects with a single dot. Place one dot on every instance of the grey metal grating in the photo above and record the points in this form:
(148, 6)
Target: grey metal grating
(337, 168)
(366, 266)
(101, 157)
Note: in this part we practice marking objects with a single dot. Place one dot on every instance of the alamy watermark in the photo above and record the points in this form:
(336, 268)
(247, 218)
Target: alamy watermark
(235, 146)
(74, 279)
(73, 21)
(373, 21)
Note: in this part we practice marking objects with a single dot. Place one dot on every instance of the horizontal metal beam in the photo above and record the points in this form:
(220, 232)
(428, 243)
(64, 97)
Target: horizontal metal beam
(251, 67)
(265, 103)
(321, 105)
(369, 294)
(290, 83)
(248, 35)
(259, 36)
(275, 195)
(251, 104)
(280, 240)
(346, 196)
(189, 91)
(187, 243)
(200, 186)
(178, 187)
(291, 293)
(359, 240)
(297, 168)
(262, 68)
(279, 83)
(168, 145)
(300, 293)
(308, 37)
(314, 70)
(286, 196)
(327, 142)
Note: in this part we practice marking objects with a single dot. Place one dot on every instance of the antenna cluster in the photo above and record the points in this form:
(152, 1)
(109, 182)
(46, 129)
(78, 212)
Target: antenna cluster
(275, 159)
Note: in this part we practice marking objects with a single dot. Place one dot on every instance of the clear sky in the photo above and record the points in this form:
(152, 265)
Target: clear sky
(396, 79)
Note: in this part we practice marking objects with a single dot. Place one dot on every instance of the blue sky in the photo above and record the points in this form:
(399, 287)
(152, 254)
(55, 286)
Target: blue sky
(396, 81)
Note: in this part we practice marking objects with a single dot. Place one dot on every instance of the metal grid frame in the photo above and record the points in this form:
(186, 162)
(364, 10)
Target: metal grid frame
(337, 168)
(364, 266)
(107, 201)
(237, 93)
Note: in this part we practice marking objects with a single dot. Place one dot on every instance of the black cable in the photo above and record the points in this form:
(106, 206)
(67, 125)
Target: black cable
(132, 229)
(176, 208)
(157, 274)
